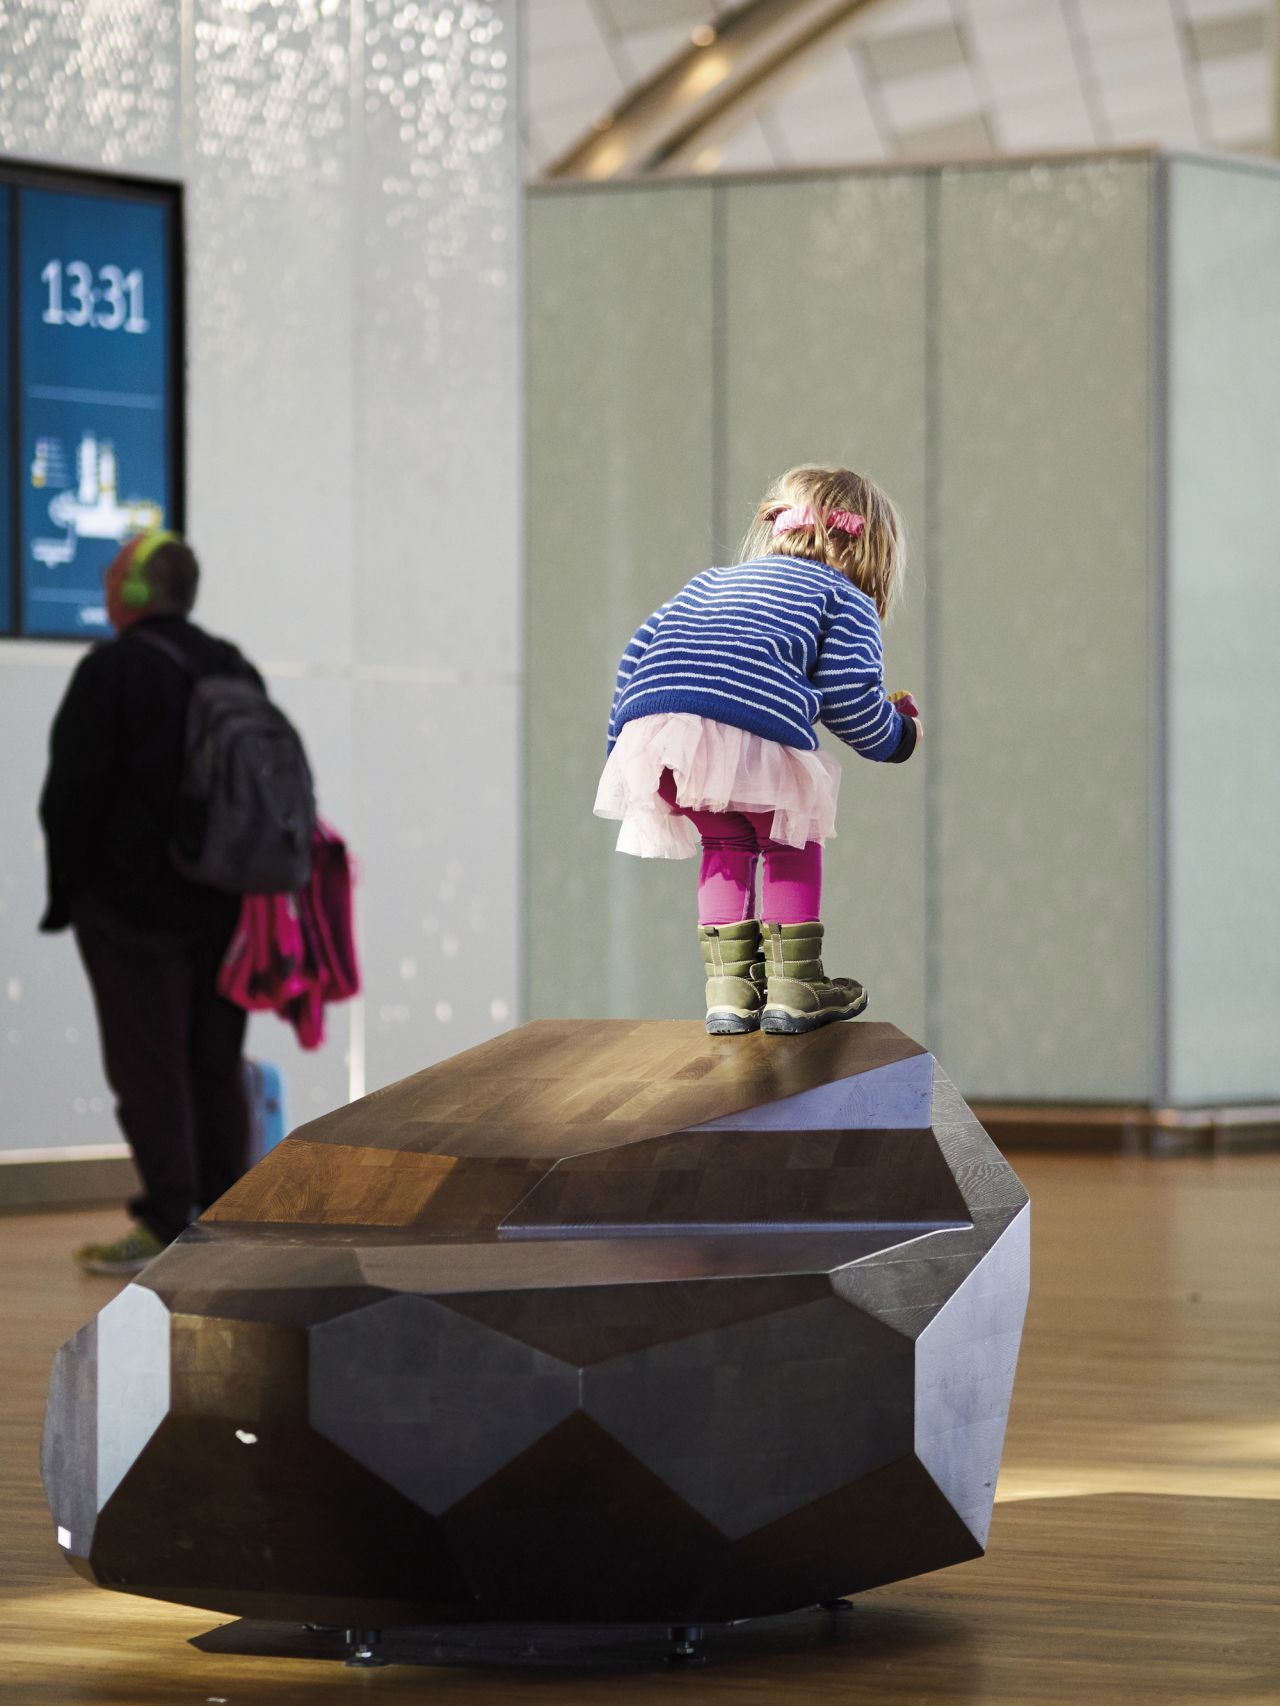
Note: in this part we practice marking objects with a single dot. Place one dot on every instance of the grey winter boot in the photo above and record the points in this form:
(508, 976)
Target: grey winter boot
(800, 995)
(735, 977)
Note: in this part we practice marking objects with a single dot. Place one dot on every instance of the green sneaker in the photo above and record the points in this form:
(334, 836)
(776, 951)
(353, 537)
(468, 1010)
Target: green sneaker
(735, 977)
(128, 1255)
(800, 995)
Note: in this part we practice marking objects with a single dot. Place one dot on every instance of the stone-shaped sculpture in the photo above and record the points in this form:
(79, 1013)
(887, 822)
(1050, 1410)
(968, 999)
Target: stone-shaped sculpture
(608, 1322)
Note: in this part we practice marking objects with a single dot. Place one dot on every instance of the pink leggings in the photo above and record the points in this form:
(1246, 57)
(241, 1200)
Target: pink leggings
(732, 843)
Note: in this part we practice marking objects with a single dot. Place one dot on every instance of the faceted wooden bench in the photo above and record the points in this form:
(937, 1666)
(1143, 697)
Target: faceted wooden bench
(598, 1322)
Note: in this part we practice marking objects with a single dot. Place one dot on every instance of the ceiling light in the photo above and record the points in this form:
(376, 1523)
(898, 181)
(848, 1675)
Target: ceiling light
(703, 74)
(605, 160)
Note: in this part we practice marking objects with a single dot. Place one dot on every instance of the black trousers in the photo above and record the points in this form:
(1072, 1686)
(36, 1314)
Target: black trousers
(172, 1049)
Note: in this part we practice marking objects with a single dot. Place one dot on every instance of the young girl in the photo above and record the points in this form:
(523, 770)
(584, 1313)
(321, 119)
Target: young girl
(711, 737)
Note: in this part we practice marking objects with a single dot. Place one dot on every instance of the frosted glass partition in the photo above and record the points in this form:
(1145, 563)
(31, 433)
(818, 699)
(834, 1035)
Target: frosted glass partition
(824, 359)
(1224, 633)
(1039, 603)
(1041, 898)
(621, 486)
(354, 332)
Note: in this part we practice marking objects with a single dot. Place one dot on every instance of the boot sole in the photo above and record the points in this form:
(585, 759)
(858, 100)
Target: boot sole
(784, 1022)
(113, 1270)
(732, 1024)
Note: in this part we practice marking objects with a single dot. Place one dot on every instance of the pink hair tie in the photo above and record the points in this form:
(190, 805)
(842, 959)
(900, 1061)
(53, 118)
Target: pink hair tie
(842, 520)
(845, 521)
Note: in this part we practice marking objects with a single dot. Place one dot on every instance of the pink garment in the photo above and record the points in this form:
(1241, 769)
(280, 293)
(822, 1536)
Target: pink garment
(291, 954)
(732, 845)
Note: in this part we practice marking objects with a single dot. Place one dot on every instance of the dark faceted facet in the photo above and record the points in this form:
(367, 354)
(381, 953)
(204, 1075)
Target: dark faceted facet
(598, 1322)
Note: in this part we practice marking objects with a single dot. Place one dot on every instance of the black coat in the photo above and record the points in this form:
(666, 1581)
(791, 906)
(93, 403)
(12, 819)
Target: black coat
(110, 797)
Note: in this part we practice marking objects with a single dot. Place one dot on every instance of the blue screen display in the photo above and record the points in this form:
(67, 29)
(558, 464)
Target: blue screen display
(95, 396)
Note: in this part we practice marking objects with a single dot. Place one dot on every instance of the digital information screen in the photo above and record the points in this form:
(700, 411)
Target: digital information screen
(87, 282)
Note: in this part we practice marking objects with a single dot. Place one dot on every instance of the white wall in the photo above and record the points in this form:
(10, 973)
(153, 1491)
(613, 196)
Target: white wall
(353, 480)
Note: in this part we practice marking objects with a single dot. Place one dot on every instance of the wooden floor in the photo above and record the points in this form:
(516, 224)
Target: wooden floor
(1135, 1554)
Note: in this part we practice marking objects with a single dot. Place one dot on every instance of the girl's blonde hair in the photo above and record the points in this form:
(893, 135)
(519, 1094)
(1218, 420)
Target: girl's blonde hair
(873, 559)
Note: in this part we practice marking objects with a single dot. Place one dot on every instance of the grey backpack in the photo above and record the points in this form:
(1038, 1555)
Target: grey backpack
(246, 805)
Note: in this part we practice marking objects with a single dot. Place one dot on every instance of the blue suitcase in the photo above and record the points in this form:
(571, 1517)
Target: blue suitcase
(264, 1092)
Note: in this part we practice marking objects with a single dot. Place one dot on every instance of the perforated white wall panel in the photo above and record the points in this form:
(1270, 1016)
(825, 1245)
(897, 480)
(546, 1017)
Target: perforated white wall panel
(354, 493)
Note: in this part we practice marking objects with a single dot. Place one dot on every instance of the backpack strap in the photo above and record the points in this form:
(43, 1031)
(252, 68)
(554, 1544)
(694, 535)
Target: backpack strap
(239, 670)
(175, 654)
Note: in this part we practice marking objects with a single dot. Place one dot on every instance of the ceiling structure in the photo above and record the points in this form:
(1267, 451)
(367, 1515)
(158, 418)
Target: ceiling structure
(678, 86)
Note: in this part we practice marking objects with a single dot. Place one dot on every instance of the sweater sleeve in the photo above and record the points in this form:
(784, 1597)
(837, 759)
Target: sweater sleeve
(77, 789)
(849, 675)
(637, 646)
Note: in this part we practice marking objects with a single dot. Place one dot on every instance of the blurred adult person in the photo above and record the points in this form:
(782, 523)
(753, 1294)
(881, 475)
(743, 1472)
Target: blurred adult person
(151, 940)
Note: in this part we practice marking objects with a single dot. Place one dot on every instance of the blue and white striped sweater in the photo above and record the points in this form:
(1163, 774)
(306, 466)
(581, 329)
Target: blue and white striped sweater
(774, 646)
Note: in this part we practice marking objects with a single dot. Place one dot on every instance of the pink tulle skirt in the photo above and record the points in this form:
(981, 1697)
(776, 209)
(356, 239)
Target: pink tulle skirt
(717, 769)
